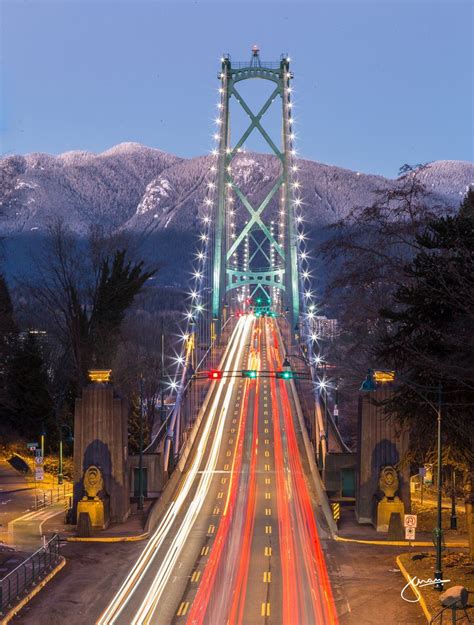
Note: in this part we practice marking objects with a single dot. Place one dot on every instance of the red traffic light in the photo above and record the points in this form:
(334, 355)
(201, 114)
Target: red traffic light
(214, 374)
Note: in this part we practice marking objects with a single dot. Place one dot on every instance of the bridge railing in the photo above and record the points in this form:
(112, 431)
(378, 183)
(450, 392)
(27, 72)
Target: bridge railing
(196, 388)
(190, 397)
(305, 385)
(16, 583)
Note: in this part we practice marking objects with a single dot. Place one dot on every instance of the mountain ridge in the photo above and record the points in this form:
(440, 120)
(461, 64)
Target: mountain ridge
(131, 186)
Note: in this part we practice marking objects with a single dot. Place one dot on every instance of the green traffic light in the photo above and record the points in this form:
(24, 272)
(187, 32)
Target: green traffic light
(249, 373)
(284, 375)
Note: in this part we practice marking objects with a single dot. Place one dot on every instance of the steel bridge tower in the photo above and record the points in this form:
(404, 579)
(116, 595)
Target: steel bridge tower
(256, 258)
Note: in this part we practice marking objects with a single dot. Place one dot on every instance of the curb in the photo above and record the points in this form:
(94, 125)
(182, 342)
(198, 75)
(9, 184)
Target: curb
(108, 539)
(397, 543)
(14, 611)
(415, 590)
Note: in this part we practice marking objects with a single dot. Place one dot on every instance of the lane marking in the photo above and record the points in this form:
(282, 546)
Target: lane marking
(268, 529)
(183, 608)
(268, 512)
(267, 467)
(216, 511)
(268, 495)
(195, 576)
(220, 495)
(267, 480)
(205, 550)
(267, 454)
(265, 610)
(223, 480)
(267, 577)
(211, 529)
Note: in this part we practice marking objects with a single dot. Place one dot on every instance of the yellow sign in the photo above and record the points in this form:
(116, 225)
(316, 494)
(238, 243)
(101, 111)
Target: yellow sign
(100, 375)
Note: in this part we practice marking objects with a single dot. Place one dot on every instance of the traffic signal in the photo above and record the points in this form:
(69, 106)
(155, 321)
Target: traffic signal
(284, 375)
(249, 373)
(214, 374)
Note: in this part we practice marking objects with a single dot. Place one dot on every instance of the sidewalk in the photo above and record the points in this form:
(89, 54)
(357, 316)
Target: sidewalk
(348, 528)
(26, 506)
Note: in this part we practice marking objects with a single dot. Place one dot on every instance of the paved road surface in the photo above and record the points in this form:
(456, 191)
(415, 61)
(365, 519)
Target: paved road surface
(242, 546)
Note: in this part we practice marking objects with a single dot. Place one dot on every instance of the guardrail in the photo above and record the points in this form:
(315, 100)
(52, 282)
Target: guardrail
(52, 495)
(28, 573)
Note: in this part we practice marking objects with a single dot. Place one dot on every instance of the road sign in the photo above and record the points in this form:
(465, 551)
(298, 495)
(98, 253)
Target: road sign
(39, 460)
(31, 446)
(410, 520)
(39, 473)
(336, 511)
(410, 532)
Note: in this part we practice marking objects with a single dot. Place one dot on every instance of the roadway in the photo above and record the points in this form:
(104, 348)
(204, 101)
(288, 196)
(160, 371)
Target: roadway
(239, 543)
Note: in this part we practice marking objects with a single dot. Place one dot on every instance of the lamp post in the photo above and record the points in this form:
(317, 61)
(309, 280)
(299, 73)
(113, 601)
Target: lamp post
(43, 434)
(369, 385)
(140, 450)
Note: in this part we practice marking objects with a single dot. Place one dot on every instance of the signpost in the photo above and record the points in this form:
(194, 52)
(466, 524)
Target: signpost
(410, 522)
(39, 468)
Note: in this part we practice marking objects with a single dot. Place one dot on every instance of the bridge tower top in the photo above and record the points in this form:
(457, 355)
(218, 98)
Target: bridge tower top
(255, 235)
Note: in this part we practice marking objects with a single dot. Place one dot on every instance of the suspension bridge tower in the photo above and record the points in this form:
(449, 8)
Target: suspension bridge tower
(255, 256)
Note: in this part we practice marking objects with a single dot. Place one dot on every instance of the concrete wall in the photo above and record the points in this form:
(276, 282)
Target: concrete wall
(101, 439)
(335, 462)
(380, 443)
(153, 463)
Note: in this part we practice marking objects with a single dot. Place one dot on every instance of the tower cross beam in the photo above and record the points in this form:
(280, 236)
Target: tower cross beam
(255, 121)
(258, 248)
(256, 218)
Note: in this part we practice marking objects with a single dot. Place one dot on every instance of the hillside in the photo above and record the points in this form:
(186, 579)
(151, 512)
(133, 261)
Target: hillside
(136, 188)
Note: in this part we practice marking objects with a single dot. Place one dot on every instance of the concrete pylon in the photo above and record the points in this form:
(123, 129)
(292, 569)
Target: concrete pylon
(101, 439)
(380, 443)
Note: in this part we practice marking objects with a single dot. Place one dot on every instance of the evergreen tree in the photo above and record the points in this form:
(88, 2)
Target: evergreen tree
(8, 329)
(27, 404)
(429, 339)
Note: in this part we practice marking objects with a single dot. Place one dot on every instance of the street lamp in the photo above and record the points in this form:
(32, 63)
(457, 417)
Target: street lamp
(369, 385)
(140, 450)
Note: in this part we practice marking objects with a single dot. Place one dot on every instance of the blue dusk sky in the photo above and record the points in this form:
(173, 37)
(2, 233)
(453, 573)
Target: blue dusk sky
(377, 84)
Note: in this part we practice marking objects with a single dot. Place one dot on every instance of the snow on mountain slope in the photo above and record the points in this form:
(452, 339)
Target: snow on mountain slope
(81, 187)
(133, 187)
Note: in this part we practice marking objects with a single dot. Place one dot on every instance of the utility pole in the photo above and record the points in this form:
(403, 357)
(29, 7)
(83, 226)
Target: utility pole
(140, 450)
(162, 389)
(438, 530)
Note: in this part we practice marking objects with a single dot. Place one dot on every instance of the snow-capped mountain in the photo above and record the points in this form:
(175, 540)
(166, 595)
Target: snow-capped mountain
(135, 188)
(131, 185)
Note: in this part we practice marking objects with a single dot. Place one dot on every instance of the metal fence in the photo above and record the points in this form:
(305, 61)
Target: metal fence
(16, 583)
(46, 497)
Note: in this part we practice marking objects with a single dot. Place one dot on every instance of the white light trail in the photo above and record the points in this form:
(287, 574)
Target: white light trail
(132, 582)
